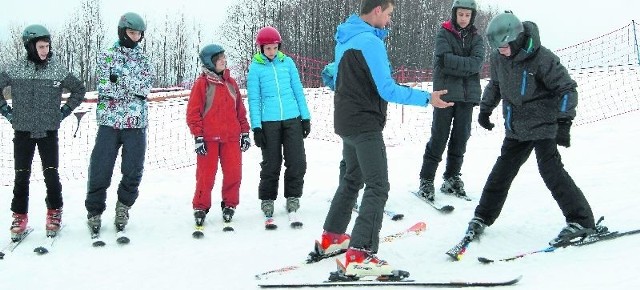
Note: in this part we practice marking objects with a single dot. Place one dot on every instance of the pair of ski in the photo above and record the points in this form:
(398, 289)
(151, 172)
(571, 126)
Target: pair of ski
(443, 208)
(400, 283)
(121, 237)
(198, 233)
(294, 221)
(314, 257)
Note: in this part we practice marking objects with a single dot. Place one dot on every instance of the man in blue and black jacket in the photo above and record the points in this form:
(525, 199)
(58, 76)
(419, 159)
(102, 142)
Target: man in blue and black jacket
(363, 86)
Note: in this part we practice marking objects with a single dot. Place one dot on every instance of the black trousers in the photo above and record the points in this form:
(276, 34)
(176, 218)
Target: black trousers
(441, 128)
(24, 148)
(283, 139)
(514, 153)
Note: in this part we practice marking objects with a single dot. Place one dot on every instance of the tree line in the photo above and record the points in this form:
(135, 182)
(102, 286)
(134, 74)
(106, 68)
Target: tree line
(173, 41)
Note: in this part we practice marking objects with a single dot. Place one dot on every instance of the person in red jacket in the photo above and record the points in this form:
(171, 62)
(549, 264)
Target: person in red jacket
(216, 117)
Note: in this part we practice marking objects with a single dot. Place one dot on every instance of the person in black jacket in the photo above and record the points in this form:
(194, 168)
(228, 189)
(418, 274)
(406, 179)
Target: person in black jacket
(539, 101)
(458, 59)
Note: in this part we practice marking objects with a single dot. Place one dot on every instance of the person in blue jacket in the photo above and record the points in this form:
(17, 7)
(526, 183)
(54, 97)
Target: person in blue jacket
(363, 85)
(280, 120)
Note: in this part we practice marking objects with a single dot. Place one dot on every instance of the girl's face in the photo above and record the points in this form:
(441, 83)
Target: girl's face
(270, 50)
(221, 63)
(42, 47)
(463, 17)
(134, 35)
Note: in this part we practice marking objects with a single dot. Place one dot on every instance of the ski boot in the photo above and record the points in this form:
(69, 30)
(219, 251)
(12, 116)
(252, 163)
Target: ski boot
(426, 189)
(94, 222)
(122, 216)
(199, 216)
(475, 229)
(293, 204)
(54, 219)
(332, 244)
(227, 214)
(454, 186)
(571, 233)
(363, 263)
(18, 226)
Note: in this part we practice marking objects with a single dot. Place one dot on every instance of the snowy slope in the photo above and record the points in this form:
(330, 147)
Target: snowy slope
(162, 254)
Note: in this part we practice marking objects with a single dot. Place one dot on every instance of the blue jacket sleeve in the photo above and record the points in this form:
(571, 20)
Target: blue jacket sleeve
(375, 55)
(254, 99)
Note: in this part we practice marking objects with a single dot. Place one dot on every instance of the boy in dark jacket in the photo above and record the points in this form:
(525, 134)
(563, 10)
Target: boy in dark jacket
(36, 87)
(539, 101)
(458, 59)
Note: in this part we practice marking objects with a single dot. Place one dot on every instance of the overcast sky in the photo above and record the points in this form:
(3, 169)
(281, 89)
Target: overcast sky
(562, 22)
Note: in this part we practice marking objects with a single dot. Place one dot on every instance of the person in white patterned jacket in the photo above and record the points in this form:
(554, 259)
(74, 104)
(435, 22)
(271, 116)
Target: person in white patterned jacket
(125, 77)
(37, 82)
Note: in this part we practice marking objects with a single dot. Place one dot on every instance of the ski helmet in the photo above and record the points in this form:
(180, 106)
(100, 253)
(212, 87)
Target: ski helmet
(268, 35)
(133, 21)
(503, 28)
(207, 53)
(465, 4)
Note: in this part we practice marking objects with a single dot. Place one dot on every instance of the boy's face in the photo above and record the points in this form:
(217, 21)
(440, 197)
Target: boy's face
(463, 17)
(43, 49)
(270, 50)
(505, 50)
(134, 35)
(382, 17)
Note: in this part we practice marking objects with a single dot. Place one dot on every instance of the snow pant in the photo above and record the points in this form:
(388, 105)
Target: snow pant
(282, 138)
(24, 148)
(230, 158)
(514, 153)
(441, 128)
(103, 159)
(365, 161)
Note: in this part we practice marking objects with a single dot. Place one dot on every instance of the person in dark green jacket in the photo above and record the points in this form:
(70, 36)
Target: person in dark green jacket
(458, 59)
(539, 100)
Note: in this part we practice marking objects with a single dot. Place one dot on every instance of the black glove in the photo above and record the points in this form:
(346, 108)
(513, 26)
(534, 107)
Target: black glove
(258, 137)
(563, 137)
(65, 111)
(201, 147)
(113, 78)
(483, 120)
(245, 142)
(306, 128)
(7, 112)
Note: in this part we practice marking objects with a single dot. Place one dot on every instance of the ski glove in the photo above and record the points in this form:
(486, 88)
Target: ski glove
(306, 128)
(201, 147)
(7, 112)
(65, 111)
(483, 120)
(563, 137)
(245, 142)
(258, 137)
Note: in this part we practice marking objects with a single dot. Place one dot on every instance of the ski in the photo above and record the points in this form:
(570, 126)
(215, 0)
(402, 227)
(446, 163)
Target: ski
(121, 238)
(294, 221)
(314, 257)
(459, 249)
(393, 215)
(52, 237)
(15, 242)
(95, 238)
(269, 223)
(406, 283)
(227, 227)
(198, 233)
(439, 207)
(591, 239)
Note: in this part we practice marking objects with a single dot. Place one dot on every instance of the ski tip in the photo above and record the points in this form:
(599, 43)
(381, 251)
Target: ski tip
(198, 234)
(123, 240)
(98, 244)
(41, 250)
(418, 227)
(397, 217)
(1, 256)
(296, 225)
(484, 260)
(270, 227)
(447, 209)
(454, 256)
(228, 229)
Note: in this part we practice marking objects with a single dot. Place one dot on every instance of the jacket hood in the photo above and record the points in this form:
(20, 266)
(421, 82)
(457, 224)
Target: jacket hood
(354, 26)
(528, 43)
(449, 26)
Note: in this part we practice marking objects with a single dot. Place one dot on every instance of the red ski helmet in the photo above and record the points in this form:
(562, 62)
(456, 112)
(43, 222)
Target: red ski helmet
(268, 35)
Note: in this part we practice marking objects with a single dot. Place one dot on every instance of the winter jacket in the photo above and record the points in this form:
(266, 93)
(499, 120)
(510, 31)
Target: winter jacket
(363, 82)
(36, 91)
(215, 109)
(457, 62)
(275, 90)
(122, 104)
(535, 88)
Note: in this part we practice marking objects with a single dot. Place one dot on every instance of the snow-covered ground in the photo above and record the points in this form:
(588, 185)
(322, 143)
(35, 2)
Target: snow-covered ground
(162, 254)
